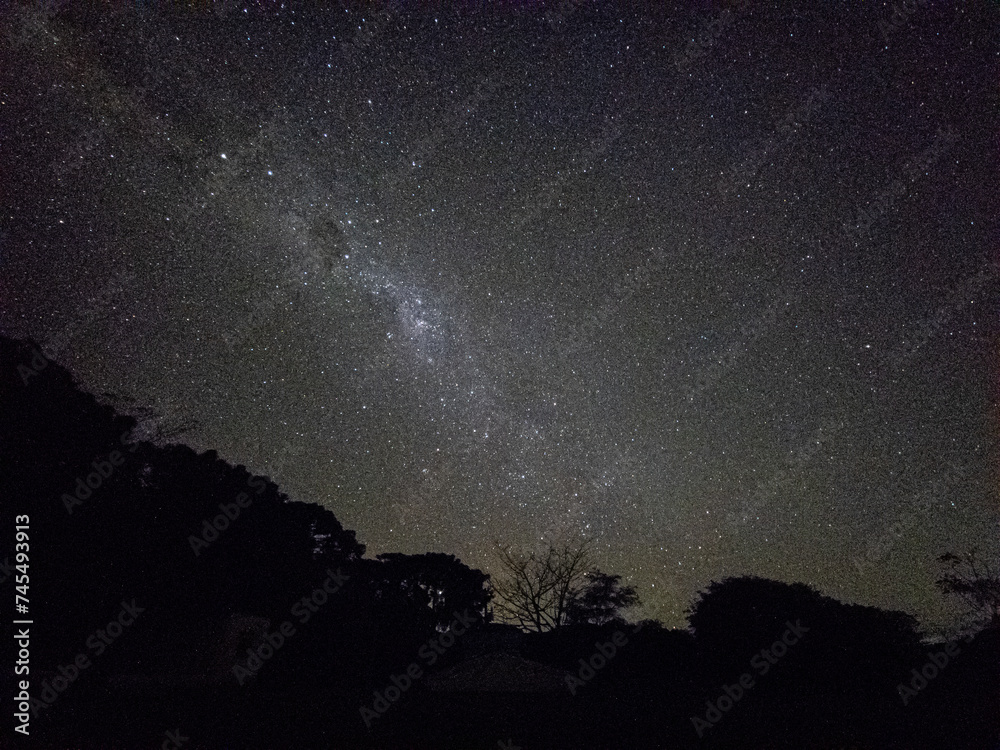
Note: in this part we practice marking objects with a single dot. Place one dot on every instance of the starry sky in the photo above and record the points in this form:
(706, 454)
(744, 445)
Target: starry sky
(711, 284)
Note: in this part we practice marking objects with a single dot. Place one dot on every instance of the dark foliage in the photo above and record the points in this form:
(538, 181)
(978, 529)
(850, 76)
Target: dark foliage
(115, 519)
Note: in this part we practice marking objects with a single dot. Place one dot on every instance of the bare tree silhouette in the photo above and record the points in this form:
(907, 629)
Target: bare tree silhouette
(539, 588)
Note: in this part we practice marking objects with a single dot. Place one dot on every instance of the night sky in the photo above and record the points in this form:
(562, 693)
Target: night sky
(712, 286)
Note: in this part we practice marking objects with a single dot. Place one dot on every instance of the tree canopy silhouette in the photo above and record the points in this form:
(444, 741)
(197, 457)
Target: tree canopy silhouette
(557, 587)
(971, 578)
(438, 582)
(601, 600)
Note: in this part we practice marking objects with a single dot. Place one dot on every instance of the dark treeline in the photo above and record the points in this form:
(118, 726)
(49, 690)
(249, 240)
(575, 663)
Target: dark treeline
(240, 618)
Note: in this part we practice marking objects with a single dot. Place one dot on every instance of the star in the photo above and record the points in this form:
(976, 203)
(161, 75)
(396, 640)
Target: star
(586, 330)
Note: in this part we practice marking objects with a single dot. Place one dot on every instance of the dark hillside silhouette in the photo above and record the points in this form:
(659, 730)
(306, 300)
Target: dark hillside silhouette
(217, 561)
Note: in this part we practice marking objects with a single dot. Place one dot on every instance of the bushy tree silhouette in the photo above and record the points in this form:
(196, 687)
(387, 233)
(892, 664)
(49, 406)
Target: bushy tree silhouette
(601, 600)
(972, 579)
(116, 518)
(736, 623)
(136, 520)
(438, 582)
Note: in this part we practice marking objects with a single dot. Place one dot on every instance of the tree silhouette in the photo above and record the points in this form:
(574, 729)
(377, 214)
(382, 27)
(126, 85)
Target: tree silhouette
(538, 589)
(973, 580)
(129, 519)
(439, 582)
(601, 600)
(829, 644)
